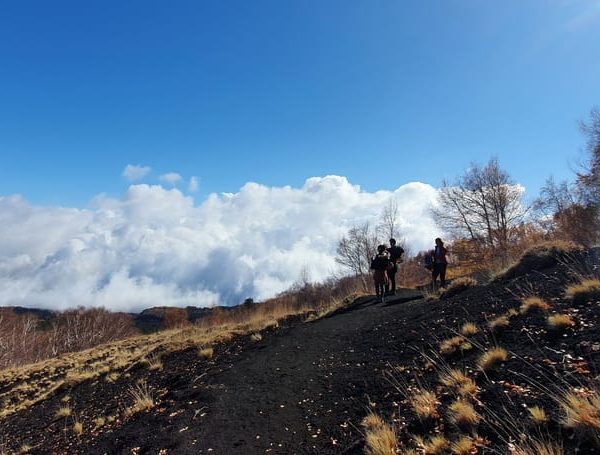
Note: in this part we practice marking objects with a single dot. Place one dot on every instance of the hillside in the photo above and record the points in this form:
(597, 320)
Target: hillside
(305, 386)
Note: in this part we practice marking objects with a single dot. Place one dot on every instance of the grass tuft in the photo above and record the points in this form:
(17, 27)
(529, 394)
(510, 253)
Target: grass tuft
(583, 291)
(499, 323)
(78, 428)
(425, 404)
(537, 415)
(560, 321)
(451, 345)
(538, 448)
(436, 445)
(534, 303)
(469, 329)
(206, 353)
(491, 358)
(380, 438)
(463, 413)
(463, 446)
(63, 412)
(582, 413)
(142, 399)
(256, 337)
(459, 381)
(459, 285)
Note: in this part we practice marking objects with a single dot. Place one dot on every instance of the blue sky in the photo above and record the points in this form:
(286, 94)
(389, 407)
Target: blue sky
(381, 92)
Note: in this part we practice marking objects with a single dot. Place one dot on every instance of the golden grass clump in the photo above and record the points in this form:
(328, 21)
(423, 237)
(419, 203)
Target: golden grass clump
(436, 445)
(560, 321)
(582, 413)
(63, 411)
(25, 448)
(142, 399)
(154, 362)
(459, 381)
(538, 448)
(78, 428)
(380, 438)
(425, 404)
(463, 446)
(490, 359)
(451, 345)
(463, 413)
(499, 323)
(469, 329)
(584, 290)
(100, 421)
(459, 285)
(206, 353)
(534, 303)
(537, 415)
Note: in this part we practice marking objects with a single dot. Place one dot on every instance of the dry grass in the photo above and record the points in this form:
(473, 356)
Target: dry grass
(142, 399)
(380, 438)
(425, 404)
(460, 382)
(459, 285)
(154, 362)
(586, 289)
(469, 329)
(537, 415)
(78, 428)
(538, 448)
(63, 412)
(256, 337)
(206, 353)
(533, 303)
(463, 413)
(463, 446)
(25, 448)
(436, 445)
(499, 323)
(451, 345)
(582, 412)
(491, 358)
(560, 321)
(100, 421)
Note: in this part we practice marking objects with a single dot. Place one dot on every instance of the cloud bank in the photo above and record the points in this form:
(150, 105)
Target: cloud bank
(155, 246)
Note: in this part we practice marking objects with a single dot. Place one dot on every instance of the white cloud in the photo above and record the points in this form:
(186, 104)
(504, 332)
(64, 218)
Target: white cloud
(170, 177)
(155, 246)
(133, 172)
(193, 185)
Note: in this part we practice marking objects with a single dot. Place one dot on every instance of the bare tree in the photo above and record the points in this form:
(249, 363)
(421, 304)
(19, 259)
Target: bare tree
(355, 250)
(484, 205)
(388, 225)
(588, 180)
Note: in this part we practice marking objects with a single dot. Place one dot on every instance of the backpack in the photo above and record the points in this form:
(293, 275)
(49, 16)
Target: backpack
(428, 261)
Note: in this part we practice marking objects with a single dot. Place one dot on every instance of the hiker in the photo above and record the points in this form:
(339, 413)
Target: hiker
(440, 263)
(395, 253)
(380, 264)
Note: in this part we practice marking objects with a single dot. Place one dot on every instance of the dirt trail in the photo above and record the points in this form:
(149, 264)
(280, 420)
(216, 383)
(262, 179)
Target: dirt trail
(300, 390)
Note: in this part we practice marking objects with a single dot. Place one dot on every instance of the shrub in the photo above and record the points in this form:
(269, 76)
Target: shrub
(534, 303)
(490, 359)
(583, 291)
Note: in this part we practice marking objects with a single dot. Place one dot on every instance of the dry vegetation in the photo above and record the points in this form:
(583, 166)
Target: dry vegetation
(491, 358)
(380, 438)
(586, 289)
(534, 303)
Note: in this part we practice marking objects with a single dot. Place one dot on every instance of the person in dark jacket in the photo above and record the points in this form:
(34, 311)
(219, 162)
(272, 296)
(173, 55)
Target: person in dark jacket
(380, 264)
(395, 253)
(440, 263)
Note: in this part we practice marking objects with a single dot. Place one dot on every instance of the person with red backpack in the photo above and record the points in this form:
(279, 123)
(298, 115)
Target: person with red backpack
(439, 263)
(380, 264)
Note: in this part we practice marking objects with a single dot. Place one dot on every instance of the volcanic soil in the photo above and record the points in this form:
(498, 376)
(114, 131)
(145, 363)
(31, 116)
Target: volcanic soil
(305, 387)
